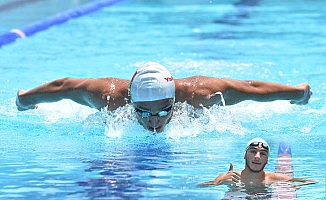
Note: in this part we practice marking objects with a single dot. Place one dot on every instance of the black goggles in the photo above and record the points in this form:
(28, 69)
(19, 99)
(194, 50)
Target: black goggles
(264, 145)
(146, 114)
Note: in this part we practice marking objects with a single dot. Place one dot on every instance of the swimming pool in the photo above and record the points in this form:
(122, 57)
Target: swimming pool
(18, 13)
(63, 150)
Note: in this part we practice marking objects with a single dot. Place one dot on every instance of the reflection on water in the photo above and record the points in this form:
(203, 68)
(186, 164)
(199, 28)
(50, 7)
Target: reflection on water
(279, 190)
(124, 176)
(284, 190)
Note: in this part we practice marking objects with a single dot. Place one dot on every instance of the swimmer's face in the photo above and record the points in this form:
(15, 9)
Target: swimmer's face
(256, 158)
(154, 115)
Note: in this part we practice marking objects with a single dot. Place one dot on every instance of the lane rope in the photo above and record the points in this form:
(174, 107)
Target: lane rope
(56, 19)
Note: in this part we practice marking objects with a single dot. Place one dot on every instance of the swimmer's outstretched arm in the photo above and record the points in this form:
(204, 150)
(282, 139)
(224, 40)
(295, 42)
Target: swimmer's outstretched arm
(207, 91)
(267, 91)
(95, 93)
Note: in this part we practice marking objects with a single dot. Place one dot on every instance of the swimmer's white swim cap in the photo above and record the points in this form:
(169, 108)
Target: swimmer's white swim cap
(255, 142)
(151, 82)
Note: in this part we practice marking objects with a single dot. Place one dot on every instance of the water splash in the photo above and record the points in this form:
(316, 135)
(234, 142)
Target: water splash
(122, 122)
(240, 119)
(190, 122)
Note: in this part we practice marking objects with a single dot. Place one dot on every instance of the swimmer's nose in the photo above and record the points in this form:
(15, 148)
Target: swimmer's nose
(154, 121)
(257, 156)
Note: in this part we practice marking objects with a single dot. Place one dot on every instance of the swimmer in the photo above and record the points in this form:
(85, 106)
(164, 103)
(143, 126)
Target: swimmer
(153, 91)
(256, 157)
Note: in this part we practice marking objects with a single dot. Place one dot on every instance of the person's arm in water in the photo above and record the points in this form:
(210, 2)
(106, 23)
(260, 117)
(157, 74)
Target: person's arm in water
(303, 182)
(206, 91)
(95, 93)
(272, 177)
(232, 178)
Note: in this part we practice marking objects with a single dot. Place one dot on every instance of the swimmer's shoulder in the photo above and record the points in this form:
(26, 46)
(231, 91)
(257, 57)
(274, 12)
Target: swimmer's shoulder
(271, 177)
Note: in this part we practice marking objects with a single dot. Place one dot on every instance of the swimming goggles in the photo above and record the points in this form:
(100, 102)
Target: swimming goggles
(146, 114)
(256, 144)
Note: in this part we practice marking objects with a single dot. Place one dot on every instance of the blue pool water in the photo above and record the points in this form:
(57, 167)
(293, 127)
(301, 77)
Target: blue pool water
(63, 150)
(18, 13)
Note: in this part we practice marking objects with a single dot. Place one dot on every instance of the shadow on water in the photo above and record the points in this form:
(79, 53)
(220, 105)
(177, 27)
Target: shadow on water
(123, 176)
(243, 10)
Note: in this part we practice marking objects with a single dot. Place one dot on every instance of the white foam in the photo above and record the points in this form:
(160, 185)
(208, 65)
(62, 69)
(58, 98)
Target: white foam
(240, 119)
(64, 109)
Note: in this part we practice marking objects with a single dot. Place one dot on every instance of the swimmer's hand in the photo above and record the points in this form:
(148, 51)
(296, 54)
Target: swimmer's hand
(21, 106)
(230, 178)
(305, 96)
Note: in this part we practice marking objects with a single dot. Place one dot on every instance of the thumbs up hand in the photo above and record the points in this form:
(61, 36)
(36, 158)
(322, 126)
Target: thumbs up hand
(230, 177)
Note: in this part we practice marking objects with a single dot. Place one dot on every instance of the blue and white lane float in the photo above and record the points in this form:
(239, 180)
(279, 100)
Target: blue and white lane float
(57, 19)
(284, 189)
(284, 159)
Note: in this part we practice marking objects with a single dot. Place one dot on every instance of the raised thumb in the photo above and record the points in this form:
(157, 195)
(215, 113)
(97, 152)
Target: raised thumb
(231, 167)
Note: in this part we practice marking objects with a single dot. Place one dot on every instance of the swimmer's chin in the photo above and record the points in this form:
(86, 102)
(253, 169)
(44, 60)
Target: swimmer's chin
(156, 130)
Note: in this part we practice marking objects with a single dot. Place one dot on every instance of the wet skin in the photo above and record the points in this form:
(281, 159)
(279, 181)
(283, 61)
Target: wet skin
(256, 158)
